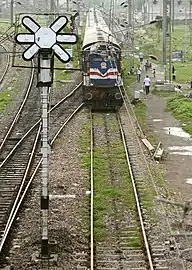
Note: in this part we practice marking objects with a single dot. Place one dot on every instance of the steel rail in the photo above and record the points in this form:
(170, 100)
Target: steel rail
(52, 141)
(20, 109)
(150, 174)
(15, 208)
(66, 97)
(39, 163)
(7, 65)
(18, 143)
(136, 197)
(66, 121)
(32, 128)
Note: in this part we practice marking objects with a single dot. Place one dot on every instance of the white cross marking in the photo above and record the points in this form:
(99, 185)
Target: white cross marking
(46, 38)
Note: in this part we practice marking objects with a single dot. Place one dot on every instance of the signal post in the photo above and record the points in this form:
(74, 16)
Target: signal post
(44, 43)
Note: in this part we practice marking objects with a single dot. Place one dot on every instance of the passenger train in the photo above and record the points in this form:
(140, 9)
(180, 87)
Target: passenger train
(101, 65)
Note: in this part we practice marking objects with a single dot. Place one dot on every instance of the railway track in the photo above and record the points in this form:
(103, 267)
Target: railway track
(4, 63)
(21, 121)
(124, 235)
(159, 233)
(21, 164)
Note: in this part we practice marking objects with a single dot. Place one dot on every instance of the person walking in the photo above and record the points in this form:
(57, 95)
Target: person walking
(147, 83)
(138, 74)
(173, 69)
(154, 73)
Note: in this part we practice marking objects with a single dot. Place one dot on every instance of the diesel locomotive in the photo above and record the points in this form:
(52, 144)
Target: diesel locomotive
(101, 65)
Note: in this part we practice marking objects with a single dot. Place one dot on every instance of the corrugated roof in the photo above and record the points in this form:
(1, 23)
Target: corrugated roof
(97, 29)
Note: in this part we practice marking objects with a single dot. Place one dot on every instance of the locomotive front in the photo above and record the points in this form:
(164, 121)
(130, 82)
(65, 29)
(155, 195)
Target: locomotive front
(102, 81)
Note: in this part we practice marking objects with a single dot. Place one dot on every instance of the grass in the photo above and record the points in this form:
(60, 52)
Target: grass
(4, 25)
(105, 193)
(183, 72)
(61, 75)
(182, 110)
(141, 113)
(165, 94)
(5, 99)
(153, 45)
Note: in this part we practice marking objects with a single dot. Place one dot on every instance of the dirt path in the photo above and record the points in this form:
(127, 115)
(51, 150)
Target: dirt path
(178, 145)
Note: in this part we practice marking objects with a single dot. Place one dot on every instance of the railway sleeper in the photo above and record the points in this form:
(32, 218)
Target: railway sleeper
(14, 138)
(117, 268)
(123, 256)
(128, 263)
(162, 268)
(114, 251)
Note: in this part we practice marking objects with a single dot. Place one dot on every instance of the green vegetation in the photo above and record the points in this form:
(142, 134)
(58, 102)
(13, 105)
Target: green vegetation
(5, 98)
(165, 94)
(4, 25)
(128, 79)
(183, 72)
(61, 75)
(105, 190)
(182, 110)
(153, 45)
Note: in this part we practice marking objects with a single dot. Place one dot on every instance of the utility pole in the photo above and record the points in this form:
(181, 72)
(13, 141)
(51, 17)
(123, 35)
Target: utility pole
(67, 5)
(170, 41)
(190, 23)
(173, 14)
(57, 5)
(164, 31)
(145, 10)
(11, 12)
(151, 10)
(133, 32)
(148, 10)
(185, 37)
(52, 6)
(130, 12)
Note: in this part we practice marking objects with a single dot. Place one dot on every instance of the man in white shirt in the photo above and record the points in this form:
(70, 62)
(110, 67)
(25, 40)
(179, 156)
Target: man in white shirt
(147, 83)
(138, 74)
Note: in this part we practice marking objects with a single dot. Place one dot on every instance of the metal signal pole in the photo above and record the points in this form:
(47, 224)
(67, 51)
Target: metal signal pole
(45, 41)
(44, 82)
(164, 31)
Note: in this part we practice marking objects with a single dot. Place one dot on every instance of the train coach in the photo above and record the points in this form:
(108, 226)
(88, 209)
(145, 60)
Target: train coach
(101, 65)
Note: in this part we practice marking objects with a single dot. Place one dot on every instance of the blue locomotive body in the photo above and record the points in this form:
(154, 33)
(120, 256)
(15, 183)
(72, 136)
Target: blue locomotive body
(101, 65)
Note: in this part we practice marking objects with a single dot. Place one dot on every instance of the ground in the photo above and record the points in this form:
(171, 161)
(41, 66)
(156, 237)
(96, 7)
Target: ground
(177, 144)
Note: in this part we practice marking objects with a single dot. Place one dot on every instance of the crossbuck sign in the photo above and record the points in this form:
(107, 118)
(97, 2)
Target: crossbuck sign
(45, 38)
